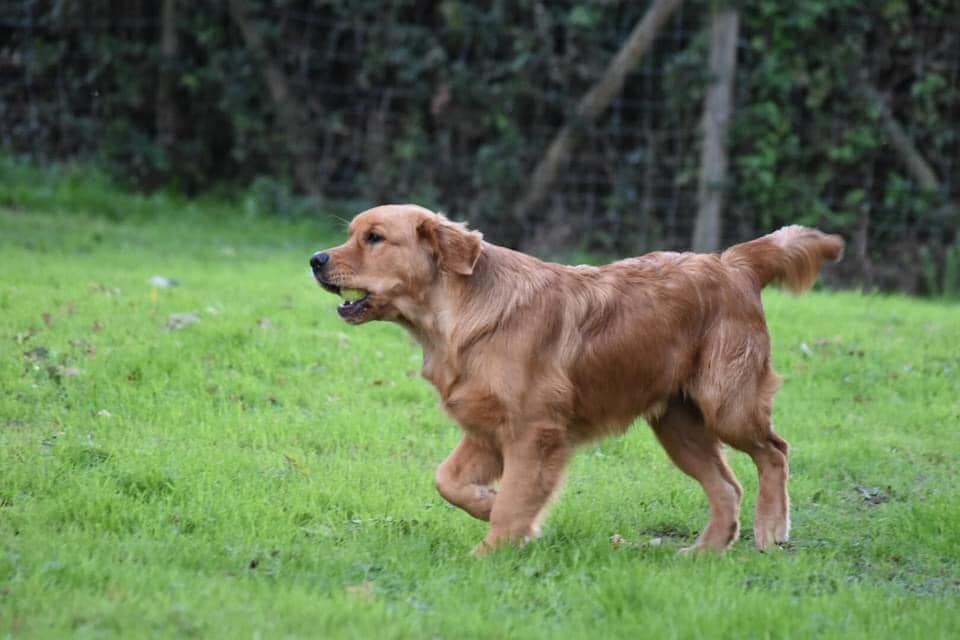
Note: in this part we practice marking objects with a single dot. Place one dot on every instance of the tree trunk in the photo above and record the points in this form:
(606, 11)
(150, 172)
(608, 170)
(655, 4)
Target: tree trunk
(376, 144)
(296, 132)
(717, 111)
(916, 164)
(593, 103)
(948, 214)
(166, 106)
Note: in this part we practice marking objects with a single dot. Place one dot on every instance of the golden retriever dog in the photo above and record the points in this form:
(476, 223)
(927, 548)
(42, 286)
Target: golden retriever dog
(532, 359)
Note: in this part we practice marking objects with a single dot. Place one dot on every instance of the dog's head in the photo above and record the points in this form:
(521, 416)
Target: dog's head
(393, 260)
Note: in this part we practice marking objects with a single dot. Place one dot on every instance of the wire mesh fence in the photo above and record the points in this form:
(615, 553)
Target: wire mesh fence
(844, 116)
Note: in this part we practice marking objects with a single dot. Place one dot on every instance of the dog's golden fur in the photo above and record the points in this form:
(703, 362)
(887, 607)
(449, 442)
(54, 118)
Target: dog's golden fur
(533, 358)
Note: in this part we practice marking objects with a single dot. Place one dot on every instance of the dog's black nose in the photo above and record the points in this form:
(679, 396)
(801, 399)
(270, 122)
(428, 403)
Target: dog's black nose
(319, 259)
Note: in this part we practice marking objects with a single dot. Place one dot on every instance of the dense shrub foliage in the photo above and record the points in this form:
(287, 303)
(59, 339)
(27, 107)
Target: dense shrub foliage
(451, 103)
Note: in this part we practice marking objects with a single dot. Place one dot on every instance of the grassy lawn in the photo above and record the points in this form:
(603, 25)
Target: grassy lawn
(226, 458)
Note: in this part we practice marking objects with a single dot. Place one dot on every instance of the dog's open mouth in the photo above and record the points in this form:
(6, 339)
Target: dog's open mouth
(355, 301)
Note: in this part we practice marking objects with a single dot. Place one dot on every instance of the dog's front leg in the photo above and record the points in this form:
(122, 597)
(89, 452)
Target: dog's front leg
(464, 477)
(534, 466)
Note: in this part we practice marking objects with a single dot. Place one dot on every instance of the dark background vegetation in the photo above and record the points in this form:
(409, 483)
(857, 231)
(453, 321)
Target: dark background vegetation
(328, 105)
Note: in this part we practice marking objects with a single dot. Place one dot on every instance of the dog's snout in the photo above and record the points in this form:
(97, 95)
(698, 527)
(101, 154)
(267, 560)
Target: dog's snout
(319, 260)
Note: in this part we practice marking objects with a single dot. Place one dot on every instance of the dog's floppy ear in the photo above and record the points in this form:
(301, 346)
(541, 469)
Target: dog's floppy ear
(456, 248)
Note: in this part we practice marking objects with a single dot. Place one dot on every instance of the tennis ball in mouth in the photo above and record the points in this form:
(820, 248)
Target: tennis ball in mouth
(352, 295)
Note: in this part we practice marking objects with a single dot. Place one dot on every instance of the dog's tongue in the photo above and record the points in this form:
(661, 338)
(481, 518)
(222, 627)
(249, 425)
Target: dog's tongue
(352, 295)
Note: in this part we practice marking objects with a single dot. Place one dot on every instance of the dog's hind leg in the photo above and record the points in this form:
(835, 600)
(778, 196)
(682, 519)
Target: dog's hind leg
(745, 423)
(771, 524)
(464, 478)
(534, 466)
(699, 454)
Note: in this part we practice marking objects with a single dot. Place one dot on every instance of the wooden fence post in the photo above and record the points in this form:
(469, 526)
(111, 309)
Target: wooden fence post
(717, 112)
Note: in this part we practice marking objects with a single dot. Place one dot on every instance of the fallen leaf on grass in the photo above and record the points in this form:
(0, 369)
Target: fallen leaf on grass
(23, 336)
(362, 591)
(162, 282)
(874, 495)
(178, 321)
(52, 439)
(107, 291)
(36, 354)
(296, 465)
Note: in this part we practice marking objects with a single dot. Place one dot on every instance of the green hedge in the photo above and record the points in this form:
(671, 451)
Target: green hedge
(451, 103)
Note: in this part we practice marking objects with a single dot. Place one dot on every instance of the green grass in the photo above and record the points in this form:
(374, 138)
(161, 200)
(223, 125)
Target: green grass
(267, 471)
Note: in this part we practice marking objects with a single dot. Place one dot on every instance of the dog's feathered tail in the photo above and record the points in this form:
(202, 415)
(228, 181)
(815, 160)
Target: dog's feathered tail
(790, 256)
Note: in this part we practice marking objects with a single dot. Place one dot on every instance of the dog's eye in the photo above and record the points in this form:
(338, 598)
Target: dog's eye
(374, 238)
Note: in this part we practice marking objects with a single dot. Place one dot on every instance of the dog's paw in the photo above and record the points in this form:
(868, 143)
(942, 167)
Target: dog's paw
(698, 548)
(769, 533)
